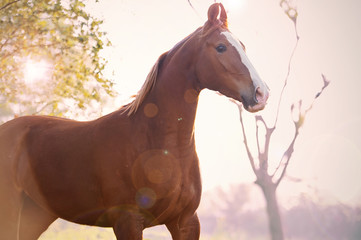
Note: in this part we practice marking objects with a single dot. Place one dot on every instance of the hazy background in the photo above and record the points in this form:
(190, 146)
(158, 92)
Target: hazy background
(326, 164)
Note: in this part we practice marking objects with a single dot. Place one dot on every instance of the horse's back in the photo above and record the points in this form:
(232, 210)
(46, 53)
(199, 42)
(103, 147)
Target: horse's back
(14, 144)
(12, 134)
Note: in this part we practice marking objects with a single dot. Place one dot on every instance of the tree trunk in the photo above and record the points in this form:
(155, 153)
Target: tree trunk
(274, 217)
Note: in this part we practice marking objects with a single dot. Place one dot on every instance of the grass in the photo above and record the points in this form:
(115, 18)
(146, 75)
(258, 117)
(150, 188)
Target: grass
(63, 230)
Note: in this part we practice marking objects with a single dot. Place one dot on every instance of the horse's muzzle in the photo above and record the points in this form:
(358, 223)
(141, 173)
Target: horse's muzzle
(260, 99)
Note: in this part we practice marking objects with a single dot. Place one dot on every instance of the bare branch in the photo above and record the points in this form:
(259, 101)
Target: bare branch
(8, 38)
(257, 134)
(298, 124)
(250, 157)
(189, 1)
(287, 75)
(326, 82)
(263, 156)
(195, 11)
(260, 118)
(287, 155)
(292, 13)
(8, 4)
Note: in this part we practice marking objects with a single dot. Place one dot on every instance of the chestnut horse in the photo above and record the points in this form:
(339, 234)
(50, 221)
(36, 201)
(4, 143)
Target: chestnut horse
(136, 167)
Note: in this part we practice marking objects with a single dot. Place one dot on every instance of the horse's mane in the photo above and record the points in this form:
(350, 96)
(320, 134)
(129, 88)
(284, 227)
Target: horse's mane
(147, 86)
(151, 79)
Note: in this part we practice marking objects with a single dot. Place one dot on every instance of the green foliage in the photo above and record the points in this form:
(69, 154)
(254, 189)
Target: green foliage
(64, 36)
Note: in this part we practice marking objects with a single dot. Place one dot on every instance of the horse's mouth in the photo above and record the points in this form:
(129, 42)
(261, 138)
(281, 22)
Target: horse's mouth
(255, 108)
(259, 101)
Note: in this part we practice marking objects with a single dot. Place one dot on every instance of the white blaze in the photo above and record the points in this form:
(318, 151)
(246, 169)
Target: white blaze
(257, 82)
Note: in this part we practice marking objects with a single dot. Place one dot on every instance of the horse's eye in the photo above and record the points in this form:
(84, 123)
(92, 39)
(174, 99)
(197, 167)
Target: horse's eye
(221, 48)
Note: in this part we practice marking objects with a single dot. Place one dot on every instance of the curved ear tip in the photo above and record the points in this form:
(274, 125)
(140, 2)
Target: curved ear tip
(214, 5)
(213, 12)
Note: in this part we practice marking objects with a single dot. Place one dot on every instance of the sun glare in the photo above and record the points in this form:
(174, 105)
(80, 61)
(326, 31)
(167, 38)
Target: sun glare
(36, 71)
(233, 4)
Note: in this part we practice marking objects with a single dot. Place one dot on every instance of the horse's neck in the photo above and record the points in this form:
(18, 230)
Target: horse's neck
(174, 100)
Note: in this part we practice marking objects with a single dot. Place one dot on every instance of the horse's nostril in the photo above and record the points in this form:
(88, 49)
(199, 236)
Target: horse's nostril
(259, 95)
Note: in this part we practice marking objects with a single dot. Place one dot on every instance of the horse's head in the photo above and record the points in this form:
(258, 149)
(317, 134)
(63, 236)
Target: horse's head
(223, 65)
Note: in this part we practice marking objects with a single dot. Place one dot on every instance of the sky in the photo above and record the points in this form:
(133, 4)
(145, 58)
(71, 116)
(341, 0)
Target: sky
(326, 163)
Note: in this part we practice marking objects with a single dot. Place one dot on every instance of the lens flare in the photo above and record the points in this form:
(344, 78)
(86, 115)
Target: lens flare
(232, 5)
(35, 71)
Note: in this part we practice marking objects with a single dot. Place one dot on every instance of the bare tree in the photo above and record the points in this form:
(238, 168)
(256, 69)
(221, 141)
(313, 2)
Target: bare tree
(266, 181)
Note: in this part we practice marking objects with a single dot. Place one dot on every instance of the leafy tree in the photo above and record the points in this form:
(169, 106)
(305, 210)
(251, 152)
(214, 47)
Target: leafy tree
(63, 41)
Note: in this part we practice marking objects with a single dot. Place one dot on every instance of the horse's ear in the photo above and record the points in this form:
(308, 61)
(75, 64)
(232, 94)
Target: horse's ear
(213, 12)
(223, 16)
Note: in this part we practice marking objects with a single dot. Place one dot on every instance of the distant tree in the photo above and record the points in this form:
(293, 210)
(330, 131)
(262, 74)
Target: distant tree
(228, 214)
(267, 181)
(311, 220)
(226, 205)
(63, 41)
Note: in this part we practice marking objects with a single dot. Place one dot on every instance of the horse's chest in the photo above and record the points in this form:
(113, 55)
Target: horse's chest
(162, 184)
(180, 200)
(158, 171)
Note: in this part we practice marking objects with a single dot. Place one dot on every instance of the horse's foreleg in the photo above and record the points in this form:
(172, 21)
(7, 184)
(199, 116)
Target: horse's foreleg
(33, 220)
(129, 226)
(185, 228)
(10, 205)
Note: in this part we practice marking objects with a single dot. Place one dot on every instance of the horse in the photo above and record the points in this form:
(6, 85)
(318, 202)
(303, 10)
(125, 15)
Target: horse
(136, 167)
